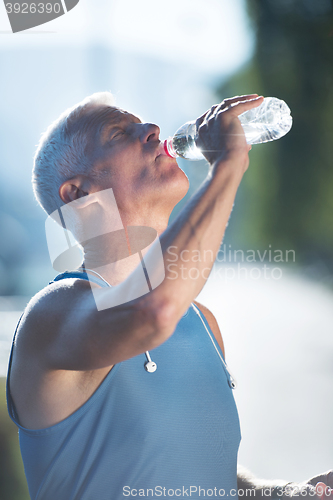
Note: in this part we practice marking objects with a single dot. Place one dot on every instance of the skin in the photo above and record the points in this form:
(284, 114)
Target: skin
(127, 158)
(54, 373)
(65, 347)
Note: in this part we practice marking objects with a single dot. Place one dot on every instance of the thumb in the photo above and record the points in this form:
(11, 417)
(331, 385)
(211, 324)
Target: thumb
(322, 490)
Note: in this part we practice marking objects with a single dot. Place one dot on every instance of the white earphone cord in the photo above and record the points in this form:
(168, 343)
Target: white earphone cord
(94, 272)
(151, 366)
(232, 382)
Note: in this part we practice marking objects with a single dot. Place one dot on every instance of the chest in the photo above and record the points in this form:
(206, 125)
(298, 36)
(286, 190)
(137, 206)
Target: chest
(190, 386)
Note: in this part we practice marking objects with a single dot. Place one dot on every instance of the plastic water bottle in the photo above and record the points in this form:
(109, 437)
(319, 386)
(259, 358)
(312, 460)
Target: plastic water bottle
(269, 121)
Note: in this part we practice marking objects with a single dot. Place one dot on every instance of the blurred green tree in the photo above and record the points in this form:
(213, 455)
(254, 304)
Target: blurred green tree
(13, 485)
(286, 198)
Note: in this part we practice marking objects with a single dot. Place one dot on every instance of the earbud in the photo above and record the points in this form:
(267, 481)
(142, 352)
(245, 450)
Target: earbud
(232, 383)
(150, 366)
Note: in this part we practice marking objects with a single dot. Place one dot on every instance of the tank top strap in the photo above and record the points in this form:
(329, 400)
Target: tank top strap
(81, 275)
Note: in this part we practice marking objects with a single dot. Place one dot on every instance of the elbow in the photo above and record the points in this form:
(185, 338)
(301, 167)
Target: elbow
(162, 320)
(166, 319)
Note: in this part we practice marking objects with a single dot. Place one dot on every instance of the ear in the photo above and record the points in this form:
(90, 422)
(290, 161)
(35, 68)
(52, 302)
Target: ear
(72, 189)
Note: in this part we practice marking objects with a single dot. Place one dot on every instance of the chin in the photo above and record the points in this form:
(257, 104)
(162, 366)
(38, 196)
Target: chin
(171, 186)
(178, 186)
(185, 183)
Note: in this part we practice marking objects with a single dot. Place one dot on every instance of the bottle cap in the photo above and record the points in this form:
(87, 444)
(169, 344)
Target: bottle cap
(168, 148)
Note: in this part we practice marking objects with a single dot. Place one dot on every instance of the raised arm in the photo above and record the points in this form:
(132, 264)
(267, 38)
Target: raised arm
(82, 338)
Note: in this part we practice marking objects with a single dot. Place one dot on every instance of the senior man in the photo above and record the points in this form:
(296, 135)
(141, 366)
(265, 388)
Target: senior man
(95, 422)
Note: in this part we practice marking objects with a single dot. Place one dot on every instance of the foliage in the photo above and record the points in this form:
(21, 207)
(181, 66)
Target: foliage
(12, 480)
(286, 199)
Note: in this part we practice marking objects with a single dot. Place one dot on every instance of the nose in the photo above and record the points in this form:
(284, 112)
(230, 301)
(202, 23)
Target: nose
(149, 132)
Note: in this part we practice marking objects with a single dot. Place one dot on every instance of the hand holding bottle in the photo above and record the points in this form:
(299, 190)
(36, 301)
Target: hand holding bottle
(220, 135)
(267, 122)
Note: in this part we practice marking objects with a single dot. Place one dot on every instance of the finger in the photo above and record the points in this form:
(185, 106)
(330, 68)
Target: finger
(239, 98)
(320, 490)
(240, 107)
(323, 490)
(223, 105)
(227, 103)
(206, 115)
(212, 111)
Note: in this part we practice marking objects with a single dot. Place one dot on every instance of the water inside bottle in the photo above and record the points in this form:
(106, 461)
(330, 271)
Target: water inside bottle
(184, 144)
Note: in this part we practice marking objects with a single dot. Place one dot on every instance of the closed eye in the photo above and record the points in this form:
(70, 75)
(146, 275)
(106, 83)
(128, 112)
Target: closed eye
(117, 134)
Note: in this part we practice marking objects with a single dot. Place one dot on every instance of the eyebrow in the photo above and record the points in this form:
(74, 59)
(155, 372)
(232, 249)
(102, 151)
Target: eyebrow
(114, 117)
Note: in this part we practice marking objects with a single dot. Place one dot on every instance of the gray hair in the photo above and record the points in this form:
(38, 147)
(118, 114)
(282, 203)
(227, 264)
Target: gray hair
(62, 150)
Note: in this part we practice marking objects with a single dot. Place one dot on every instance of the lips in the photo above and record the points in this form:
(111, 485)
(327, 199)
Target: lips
(160, 150)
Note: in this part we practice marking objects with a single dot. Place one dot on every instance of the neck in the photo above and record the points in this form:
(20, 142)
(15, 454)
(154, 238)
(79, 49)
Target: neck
(115, 255)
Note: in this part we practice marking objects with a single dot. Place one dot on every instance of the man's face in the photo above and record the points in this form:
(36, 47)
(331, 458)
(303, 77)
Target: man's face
(127, 157)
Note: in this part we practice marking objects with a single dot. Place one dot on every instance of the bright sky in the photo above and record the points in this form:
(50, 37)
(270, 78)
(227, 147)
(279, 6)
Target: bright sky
(212, 34)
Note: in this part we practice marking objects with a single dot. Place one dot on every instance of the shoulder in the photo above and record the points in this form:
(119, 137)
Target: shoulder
(48, 309)
(212, 322)
(58, 297)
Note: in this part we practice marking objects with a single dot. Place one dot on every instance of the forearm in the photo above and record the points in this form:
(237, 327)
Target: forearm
(146, 322)
(191, 242)
(198, 230)
(250, 486)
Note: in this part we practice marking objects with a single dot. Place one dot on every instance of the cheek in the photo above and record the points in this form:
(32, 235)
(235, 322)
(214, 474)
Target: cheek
(124, 169)
(130, 189)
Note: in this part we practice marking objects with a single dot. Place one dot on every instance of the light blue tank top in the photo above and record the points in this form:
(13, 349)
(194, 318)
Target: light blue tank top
(174, 432)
